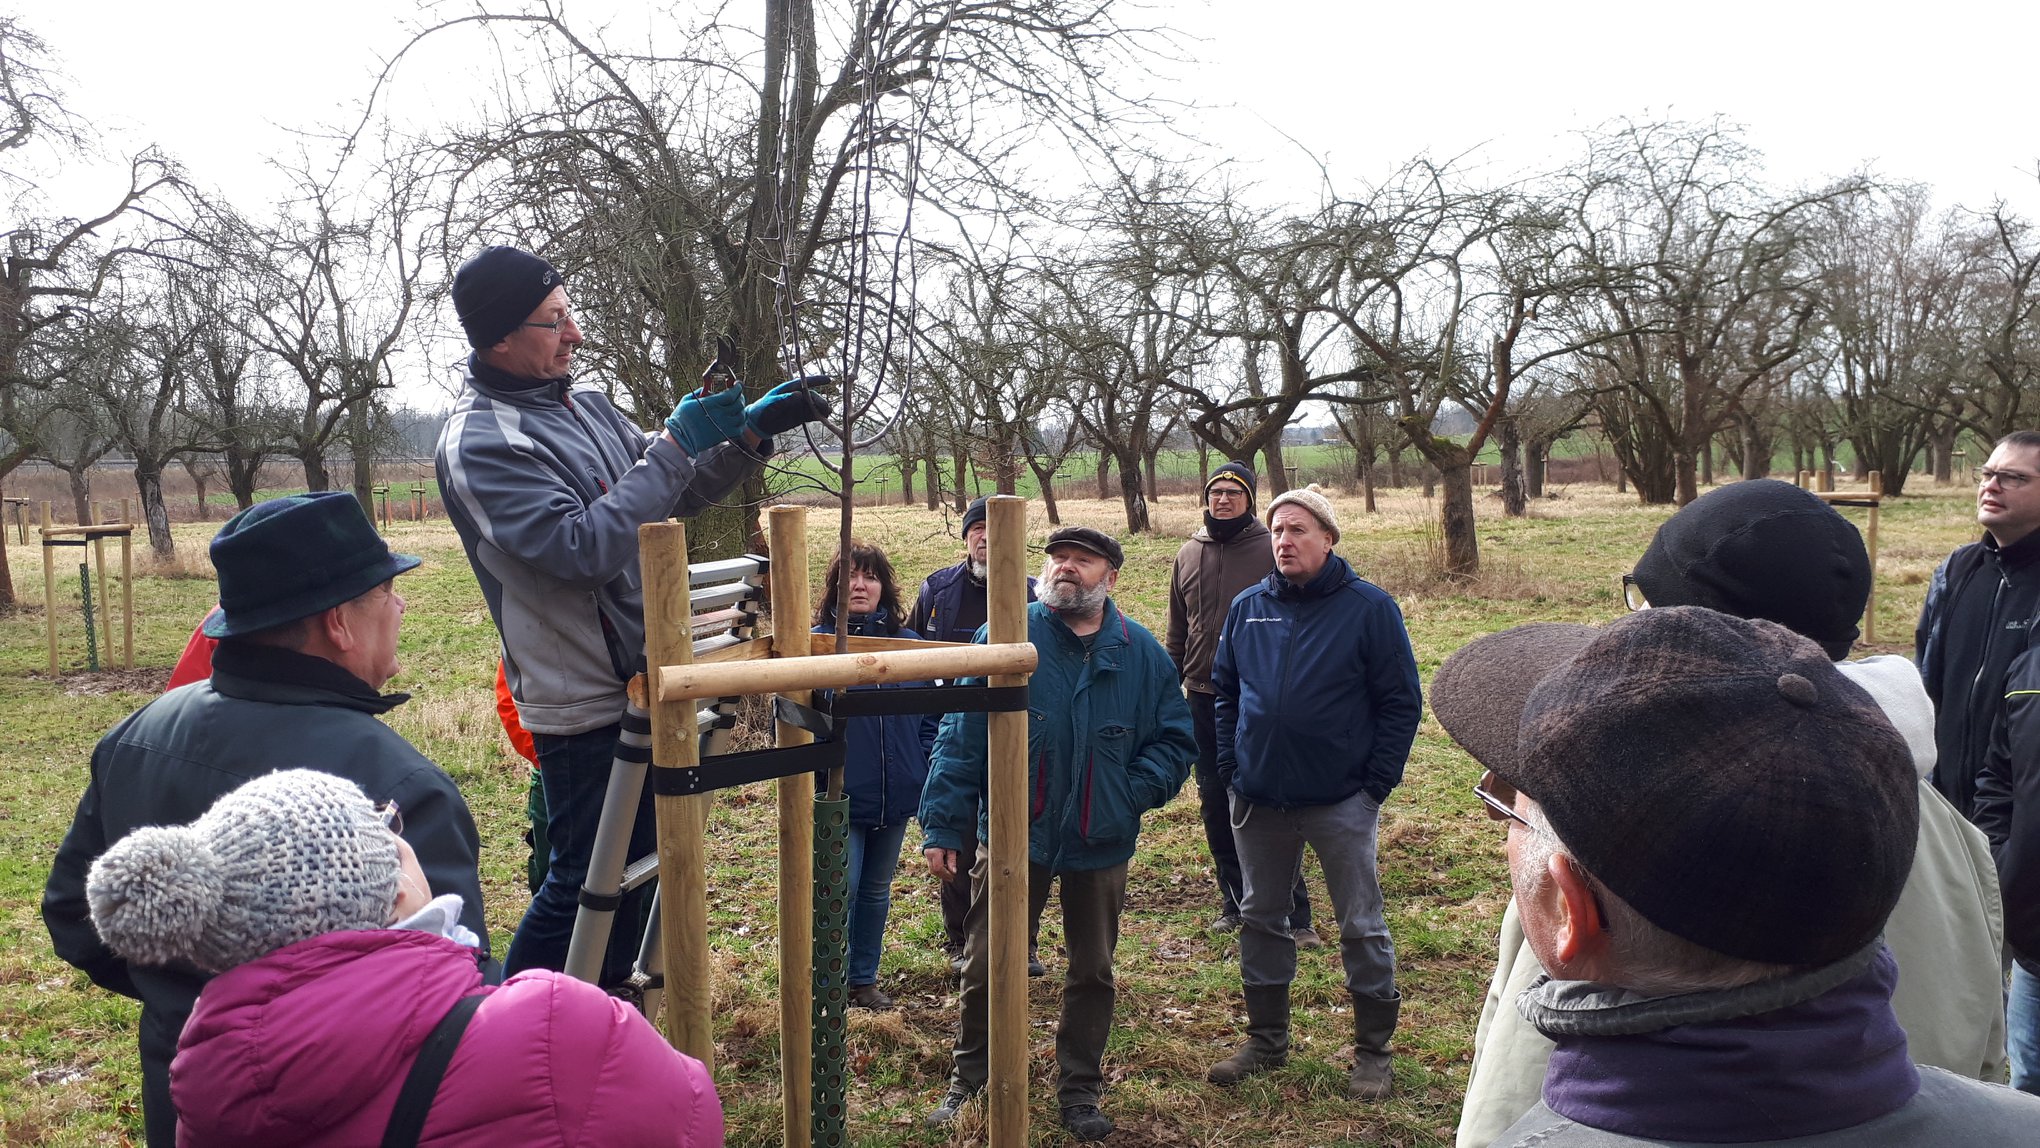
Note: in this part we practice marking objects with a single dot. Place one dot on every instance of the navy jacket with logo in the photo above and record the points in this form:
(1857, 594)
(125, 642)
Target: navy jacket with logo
(1978, 618)
(1318, 697)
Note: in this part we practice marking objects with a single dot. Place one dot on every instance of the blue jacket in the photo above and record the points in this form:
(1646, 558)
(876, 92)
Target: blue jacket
(939, 614)
(885, 758)
(1317, 690)
(1108, 738)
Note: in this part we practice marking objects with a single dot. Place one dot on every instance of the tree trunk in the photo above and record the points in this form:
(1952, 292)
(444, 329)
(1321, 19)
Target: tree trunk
(242, 474)
(1148, 466)
(1278, 472)
(1943, 448)
(1756, 449)
(1395, 475)
(1509, 441)
(1130, 495)
(1707, 463)
(1536, 458)
(314, 461)
(1044, 477)
(1455, 518)
(149, 484)
(1104, 475)
(933, 486)
(1367, 486)
(6, 567)
(204, 511)
(1203, 460)
(906, 482)
(957, 458)
(81, 492)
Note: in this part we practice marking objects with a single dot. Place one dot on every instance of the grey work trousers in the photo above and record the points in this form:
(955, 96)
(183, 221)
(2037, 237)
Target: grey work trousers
(1270, 840)
(1091, 903)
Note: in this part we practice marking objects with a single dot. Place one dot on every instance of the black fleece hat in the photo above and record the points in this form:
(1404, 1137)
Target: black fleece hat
(498, 289)
(291, 557)
(974, 515)
(1763, 549)
(1096, 541)
(1717, 773)
(1235, 471)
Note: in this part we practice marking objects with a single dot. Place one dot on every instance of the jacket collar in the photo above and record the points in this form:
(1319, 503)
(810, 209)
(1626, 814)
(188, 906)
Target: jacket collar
(1111, 634)
(1796, 1056)
(1252, 529)
(505, 387)
(254, 672)
(2018, 555)
(1334, 575)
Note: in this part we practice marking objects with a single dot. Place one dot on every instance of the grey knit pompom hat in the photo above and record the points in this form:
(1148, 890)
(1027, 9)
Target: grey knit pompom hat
(282, 859)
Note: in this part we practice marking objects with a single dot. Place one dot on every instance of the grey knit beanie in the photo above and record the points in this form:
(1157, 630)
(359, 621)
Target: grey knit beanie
(1311, 498)
(282, 859)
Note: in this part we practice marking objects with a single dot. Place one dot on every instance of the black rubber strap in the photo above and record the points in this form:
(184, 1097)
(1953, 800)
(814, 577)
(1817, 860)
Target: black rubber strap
(407, 1123)
(600, 902)
(810, 718)
(930, 700)
(733, 769)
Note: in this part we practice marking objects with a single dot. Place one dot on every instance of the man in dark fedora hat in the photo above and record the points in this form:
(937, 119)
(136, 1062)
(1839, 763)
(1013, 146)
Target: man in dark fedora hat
(307, 627)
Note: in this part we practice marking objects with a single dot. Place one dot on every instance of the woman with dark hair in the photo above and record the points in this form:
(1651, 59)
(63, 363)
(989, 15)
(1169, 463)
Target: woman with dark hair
(886, 763)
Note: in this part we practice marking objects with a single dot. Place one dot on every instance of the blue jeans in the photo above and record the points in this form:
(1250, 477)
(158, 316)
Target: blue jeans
(874, 858)
(2022, 1029)
(574, 771)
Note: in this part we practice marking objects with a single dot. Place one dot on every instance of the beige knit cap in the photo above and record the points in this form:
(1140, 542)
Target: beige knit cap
(283, 859)
(1313, 500)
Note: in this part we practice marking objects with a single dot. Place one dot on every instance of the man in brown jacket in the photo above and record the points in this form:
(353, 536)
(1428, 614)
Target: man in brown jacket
(1229, 553)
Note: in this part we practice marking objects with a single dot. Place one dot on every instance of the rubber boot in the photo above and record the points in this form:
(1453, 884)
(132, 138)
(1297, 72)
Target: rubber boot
(1373, 1024)
(1267, 1036)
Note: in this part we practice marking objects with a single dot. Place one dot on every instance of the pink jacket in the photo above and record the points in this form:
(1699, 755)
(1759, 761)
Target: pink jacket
(309, 1046)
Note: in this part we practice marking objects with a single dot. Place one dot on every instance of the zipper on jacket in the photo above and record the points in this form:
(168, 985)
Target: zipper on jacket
(1982, 667)
(1040, 786)
(1090, 773)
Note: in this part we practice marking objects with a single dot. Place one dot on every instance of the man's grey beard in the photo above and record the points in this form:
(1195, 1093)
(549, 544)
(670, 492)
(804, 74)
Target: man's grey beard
(1069, 598)
(977, 569)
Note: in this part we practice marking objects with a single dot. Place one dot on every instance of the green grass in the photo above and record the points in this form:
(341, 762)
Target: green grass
(68, 1072)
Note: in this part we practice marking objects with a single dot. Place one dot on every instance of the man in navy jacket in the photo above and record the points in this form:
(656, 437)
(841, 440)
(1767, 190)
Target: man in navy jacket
(1318, 704)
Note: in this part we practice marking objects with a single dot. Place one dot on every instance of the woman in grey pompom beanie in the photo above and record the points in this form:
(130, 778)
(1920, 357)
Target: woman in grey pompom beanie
(334, 968)
(287, 857)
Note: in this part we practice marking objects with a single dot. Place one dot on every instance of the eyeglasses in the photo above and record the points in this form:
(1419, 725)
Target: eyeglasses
(1492, 790)
(392, 817)
(2009, 479)
(555, 325)
(1632, 594)
(1226, 491)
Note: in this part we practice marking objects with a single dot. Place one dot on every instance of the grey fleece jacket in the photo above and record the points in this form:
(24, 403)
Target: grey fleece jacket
(547, 487)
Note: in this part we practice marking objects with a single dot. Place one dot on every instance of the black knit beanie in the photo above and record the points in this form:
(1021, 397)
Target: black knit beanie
(974, 515)
(497, 290)
(1763, 549)
(1236, 471)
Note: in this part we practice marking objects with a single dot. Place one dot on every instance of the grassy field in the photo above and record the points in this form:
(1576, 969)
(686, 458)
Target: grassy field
(68, 1073)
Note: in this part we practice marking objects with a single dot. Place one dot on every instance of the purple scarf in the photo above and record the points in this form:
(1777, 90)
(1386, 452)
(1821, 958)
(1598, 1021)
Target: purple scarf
(1822, 1064)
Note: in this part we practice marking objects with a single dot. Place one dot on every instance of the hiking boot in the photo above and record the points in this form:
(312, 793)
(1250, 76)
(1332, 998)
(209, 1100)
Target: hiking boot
(1267, 1037)
(952, 1103)
(1085, 1122)
(955, 955)
(869, 996)
(1034, 966)
(1228, 922)
(1374, 1022)
(1307, 938)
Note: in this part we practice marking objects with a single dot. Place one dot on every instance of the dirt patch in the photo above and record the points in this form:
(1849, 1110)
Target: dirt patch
(90, 684)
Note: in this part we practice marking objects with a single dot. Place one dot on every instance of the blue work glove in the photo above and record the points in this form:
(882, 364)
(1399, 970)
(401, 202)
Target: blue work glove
(704, 420)
(788, 405)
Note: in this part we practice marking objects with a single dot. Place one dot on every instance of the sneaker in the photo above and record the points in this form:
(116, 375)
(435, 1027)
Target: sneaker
(955, 955)
(1226, 923)
(1085, 1122)
(1306, 938)
(869, 996)
(952, 1103)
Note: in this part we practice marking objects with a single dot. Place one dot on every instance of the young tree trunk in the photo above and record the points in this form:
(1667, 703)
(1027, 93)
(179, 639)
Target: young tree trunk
(1536, 458)
(149, 484)
(1148, 466)
(1203, 460)
(958, 459)
(1509, 442)
(1367, 485)
(906, 482)
(933, 486)
(1104, 474)
(204, 511)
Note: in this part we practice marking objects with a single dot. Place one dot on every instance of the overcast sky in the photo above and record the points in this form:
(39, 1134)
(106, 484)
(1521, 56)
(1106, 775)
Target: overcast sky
(1940, 93)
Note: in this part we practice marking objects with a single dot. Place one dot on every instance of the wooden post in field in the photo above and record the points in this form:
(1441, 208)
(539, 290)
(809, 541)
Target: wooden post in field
(49, 582)
(787, 547)
(1870, 543)
(105, 603)
(127, 596)
(1006, 853)
(683, 820)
